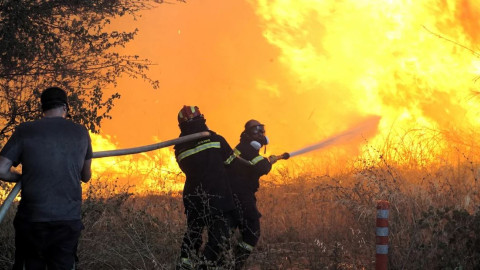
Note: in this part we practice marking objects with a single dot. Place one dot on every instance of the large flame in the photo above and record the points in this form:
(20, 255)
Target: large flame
(147, 172)
(309, 70)
(385, 57)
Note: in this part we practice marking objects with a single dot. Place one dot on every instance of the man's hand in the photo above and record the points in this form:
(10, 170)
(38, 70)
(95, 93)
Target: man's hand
(6, 174)
(272, 159)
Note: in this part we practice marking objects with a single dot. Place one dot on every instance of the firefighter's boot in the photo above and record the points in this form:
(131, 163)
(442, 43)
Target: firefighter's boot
(185, 264)
(241, 253)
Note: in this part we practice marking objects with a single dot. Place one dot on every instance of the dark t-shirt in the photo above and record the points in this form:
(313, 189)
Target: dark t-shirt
(52, 152)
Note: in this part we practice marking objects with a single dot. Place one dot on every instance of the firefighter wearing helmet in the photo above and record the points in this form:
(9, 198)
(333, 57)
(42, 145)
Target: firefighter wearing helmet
(207, 196)
(245, 167)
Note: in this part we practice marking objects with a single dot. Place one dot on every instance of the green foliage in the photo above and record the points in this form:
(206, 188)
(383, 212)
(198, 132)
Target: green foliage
(69, 44)
(447, 238)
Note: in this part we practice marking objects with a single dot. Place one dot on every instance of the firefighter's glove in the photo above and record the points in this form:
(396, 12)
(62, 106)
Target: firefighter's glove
(272, 159)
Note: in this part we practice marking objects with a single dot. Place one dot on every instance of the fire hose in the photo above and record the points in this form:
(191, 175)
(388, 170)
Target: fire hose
(110, 153)
(367, 125)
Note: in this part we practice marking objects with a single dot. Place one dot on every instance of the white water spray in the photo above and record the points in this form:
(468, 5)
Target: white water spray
(357, 131)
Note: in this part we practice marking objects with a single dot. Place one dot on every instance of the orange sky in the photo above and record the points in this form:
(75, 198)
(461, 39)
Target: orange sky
(307, 69)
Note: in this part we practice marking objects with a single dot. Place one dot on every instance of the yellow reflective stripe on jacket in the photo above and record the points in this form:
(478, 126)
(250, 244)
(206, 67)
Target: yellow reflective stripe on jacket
(186, 261)
(235, 154)
(246, 246)
(198, 149)
(256, 160)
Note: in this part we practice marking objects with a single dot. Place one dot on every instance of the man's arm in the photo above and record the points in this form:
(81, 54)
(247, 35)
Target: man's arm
(226, 148)
(6, 174)
(86, 173)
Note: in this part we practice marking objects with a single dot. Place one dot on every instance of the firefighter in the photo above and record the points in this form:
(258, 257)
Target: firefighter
(207, 196)
(245, 167)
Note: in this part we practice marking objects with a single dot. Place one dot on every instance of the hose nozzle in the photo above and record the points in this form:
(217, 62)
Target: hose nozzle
(274, 158)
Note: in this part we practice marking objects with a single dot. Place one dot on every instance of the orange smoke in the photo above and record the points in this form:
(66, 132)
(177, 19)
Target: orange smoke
(307, 69)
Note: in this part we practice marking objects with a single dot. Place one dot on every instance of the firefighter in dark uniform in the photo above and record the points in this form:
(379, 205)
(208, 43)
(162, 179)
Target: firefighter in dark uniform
(207, 196)
(245, 167)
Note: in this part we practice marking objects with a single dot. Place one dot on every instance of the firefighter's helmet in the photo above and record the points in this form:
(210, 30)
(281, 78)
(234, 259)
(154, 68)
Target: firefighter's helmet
(254, 127)
(189, 113)
(255, 131)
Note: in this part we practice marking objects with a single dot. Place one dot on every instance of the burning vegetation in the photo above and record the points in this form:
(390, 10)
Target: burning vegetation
(323, 66)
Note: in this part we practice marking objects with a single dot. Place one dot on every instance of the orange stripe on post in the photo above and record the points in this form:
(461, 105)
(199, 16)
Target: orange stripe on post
(382, 222)
(381, 235)
(382, 241)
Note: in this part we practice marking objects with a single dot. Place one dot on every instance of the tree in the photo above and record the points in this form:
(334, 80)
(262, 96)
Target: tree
(64, 43)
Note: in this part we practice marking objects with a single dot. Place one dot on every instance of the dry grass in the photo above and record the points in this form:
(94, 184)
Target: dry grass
(310, 221)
